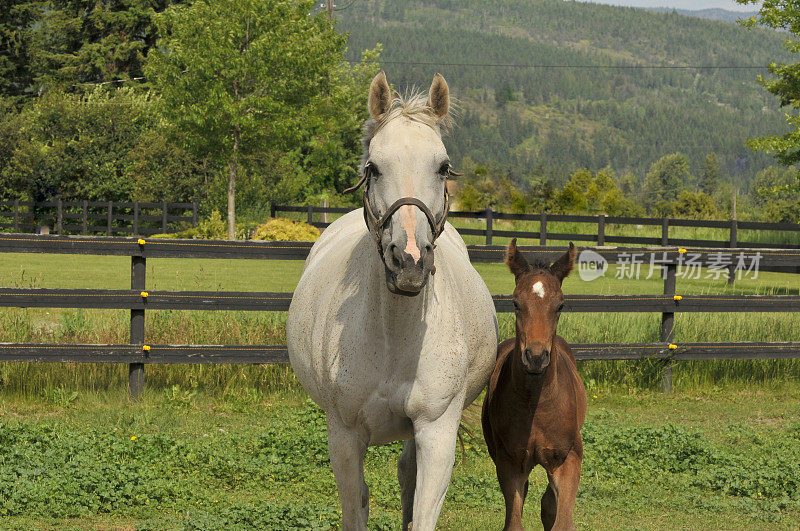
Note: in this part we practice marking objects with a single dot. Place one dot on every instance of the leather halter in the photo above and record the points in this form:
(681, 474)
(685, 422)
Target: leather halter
(376, 225)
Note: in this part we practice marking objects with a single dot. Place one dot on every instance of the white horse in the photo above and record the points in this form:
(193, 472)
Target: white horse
(388, 350)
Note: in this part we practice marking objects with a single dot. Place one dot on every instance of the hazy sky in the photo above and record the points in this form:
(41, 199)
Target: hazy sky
(680, 4)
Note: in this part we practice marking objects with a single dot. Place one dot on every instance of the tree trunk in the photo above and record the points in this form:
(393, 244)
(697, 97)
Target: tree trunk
(233, 168)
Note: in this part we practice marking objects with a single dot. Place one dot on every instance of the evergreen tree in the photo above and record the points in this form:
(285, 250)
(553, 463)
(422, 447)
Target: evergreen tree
(17, 18)
(710, 177)
(95, 41)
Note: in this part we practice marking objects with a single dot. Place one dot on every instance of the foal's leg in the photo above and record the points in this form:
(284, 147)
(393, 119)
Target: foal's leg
(347, 460)
(558, 501)
(514, 484)
(407, 476)
(436, 447)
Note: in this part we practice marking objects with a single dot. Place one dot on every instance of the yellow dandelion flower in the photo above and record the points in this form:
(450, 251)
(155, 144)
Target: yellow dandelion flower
(133, 438)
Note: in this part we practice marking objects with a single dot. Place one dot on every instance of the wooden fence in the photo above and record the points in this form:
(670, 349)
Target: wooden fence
(96, 217)
(138, 299)
(598, 228)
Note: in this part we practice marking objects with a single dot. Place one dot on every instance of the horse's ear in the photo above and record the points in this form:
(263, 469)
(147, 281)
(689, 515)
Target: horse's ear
(439, 97)
(564, 265)
(515, 261)
(379, 96)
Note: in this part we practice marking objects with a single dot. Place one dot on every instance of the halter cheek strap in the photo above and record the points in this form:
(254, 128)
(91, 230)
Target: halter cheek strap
(377, 225)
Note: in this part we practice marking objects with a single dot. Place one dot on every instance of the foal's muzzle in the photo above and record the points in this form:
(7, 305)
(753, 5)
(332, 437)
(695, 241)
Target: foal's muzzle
(535, 362)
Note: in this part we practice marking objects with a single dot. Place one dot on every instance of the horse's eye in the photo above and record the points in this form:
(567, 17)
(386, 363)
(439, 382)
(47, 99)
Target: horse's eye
(516, 306)
(372, 169)
(444, 169)
(560, 307)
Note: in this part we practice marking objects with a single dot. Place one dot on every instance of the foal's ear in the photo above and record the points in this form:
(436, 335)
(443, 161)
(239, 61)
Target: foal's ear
(564, 265)
(439, 96)
(515, 261)
(379, 96)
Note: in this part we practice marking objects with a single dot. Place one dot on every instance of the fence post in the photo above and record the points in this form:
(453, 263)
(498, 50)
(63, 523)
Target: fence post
(136, 370)
(164, 210)
(543, 229)
(733, 243)
(489, 217)
(136, 218)
(668, 324)
(110, 215)
(272, 210)
(85, 217)
(310, 215)
(194, 212)
(60, 222)
(665, 231)
(16, 215)
(601, 230)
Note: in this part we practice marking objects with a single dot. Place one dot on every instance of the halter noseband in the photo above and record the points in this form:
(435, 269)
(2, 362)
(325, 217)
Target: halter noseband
(376, 225)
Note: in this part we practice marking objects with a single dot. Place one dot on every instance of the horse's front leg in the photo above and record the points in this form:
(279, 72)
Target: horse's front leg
(347, 451)
(436, 446)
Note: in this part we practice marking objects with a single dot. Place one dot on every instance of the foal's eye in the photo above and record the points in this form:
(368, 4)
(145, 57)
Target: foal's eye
(444, 169)
(516, 306)
(560, 307)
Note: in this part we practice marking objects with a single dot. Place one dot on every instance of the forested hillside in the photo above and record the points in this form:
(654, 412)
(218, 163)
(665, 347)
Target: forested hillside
(586, 96)
(710, 14)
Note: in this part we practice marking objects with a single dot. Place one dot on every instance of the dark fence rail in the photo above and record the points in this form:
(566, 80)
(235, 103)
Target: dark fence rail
(137, 300)
(96, 217)
(597, 234)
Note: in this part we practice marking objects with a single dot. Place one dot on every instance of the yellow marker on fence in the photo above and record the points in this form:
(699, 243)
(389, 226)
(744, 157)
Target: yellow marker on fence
(146, 348)
(145, 294)
(673, 346)
(141, 241)
(675, 297)
(682, 251)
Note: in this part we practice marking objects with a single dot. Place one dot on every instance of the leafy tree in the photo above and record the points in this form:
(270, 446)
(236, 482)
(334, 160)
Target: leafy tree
(253, 83)
(78, 146)
(775, 184)
(666, 178)
(784, 16)
(695, 205)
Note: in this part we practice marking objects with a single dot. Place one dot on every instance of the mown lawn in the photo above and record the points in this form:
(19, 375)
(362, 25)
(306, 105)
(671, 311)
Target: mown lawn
(178, 459)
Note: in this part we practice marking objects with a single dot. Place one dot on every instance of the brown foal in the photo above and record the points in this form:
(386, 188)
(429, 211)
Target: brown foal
(536, 403)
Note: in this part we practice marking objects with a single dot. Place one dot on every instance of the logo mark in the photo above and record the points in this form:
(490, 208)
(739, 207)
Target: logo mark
(591, 265)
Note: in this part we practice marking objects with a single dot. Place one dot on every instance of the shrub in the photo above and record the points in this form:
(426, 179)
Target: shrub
(212, 228)
(279, 229)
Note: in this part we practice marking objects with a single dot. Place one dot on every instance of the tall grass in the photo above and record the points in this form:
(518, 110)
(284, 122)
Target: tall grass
(226, 327)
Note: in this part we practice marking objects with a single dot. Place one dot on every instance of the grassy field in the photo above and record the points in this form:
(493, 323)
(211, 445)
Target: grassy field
(179, 459)
(111, 326)
(237, 447)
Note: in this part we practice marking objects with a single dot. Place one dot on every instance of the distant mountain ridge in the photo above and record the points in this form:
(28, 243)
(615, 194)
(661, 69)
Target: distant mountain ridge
(595, 86)
(723, 15)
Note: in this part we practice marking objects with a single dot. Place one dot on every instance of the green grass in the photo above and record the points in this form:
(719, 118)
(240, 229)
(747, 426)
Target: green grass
(226, 327)
(720, 459)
